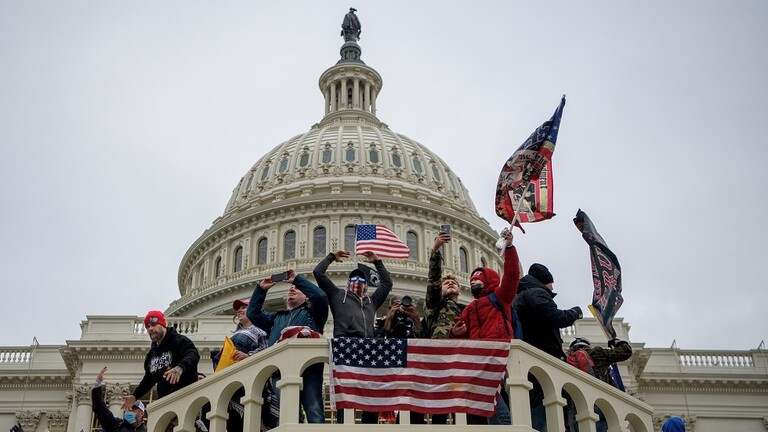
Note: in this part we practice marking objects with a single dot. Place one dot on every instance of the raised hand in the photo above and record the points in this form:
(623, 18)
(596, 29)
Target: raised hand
(340, 255)
(369, 256)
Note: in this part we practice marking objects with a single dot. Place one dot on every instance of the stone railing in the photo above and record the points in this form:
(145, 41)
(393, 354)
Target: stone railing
(716, 359)
(291, 357)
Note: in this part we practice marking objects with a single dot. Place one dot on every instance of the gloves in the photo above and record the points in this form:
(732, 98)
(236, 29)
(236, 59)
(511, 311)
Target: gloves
(578, 312)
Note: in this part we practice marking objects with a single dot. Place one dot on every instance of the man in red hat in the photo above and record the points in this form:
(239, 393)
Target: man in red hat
(171, 362)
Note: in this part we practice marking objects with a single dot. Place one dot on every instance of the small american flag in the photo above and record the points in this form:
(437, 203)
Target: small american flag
(435, 376)
(379, 240)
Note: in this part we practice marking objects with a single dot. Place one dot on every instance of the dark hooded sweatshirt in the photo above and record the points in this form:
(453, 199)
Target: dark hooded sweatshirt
(540, 317)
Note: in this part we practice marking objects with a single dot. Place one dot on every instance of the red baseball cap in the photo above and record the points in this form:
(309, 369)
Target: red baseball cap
(237, 304)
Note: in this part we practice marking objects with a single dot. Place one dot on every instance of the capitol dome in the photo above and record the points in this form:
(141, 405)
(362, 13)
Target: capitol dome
(302, 200)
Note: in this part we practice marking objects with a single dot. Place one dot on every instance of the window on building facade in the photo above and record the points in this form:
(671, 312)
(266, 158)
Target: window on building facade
(250, 183)
(327, 156)
(283, 165)
(261, 258)
(289, 245)
(463, 262)
(373, 155)
(202, 276)
(417, 166)
(435, 173)
(397, 160)
(238, 259)
(349, 238)
(264, 173)
(319, 248)
(483, 262)
(217, 267)
(412, 240)
(304, 159)
(349, 154)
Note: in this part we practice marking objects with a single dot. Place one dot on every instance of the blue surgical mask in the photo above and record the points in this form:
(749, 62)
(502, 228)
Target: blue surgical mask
(130, 416)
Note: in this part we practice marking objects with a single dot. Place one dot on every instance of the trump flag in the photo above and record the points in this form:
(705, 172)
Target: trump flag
(606, 275)
(434, 376)
(524, 192)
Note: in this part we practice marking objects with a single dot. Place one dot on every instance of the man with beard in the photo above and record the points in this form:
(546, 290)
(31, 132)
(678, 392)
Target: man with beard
(171, 362)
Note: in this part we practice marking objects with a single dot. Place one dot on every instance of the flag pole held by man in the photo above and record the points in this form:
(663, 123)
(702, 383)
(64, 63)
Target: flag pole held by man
(525, 189)
(606, 275)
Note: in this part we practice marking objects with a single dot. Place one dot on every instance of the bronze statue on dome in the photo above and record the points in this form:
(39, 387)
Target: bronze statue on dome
(350, 27)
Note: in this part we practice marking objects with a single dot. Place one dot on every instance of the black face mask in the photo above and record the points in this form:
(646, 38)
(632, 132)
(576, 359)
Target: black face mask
(476, 289)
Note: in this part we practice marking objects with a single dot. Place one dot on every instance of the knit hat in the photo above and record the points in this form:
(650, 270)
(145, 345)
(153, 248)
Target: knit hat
(673, 424)
(541, 273)
(480, 275)
(155, 317)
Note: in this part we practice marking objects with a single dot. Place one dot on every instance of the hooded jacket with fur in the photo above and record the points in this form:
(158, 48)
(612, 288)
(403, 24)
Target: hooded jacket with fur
(485, 320)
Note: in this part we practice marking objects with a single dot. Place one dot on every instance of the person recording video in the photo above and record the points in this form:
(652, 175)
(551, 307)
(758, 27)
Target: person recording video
(402, 320)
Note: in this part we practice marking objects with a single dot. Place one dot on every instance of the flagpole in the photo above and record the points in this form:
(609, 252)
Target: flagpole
(597, 318)
(516, 219)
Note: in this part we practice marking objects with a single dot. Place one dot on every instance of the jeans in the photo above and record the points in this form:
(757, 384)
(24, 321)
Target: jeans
(311, 395)
(538, 413)
(501, 416)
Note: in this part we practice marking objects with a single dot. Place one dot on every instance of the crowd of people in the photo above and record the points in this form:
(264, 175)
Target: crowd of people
(504, 307)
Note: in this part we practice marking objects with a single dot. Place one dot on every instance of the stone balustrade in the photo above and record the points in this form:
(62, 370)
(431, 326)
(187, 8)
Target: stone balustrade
(291, 357)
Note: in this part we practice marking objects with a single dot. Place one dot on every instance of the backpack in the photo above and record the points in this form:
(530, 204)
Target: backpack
(580, 359)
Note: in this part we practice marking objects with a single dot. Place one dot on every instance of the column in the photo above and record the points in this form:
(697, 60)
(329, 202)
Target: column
(367, 101)
(115, 395)
(356, 94)
(373, 101)
(82, 400)
(344, 102)
(327, 96)
(334, 102)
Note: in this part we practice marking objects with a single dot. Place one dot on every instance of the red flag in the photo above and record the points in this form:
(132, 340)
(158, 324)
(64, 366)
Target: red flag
(525, 181)
(379, 240)
(434, 376)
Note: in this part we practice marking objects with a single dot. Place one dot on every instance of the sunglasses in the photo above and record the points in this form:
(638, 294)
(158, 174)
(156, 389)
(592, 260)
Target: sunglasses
(357, 278)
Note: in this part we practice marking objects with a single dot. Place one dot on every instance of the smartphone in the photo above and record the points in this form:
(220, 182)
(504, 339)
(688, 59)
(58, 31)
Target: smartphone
(445, 228)
(279, 277)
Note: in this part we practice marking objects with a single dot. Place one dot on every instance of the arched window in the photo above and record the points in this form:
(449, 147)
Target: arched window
(483, 262)
(261, 258)
(289, 245)
(202, 276)
(349, 238)
(217, 268)
(264, 173)
(463, 263)
(238, 259)
(412, 240)
(318, 242)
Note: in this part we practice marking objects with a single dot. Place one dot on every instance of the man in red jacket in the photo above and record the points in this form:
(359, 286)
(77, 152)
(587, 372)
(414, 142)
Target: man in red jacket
(490, 315)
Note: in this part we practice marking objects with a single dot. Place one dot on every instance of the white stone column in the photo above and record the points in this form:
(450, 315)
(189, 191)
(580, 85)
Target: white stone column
(373, 101)
(356, 94)
(327, 96)
(344, 102)
(334, 102)
(367, 101)
(115, 395)
(81, 400)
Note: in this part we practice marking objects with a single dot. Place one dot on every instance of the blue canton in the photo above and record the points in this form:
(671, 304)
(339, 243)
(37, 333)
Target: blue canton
(366, 232)
(369, 353)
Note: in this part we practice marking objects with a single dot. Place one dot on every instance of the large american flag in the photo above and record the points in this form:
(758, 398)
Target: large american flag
(434, 376)
(380, 240)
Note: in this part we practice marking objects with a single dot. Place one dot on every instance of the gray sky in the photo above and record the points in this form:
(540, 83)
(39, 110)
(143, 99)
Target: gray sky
(124, 127)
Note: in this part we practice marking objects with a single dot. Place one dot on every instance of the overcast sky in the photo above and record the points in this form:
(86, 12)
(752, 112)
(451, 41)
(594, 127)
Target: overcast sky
(124, 127)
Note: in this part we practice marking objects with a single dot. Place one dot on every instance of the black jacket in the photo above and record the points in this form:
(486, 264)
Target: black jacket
(175, 350)
(540, 317)
(109, 422)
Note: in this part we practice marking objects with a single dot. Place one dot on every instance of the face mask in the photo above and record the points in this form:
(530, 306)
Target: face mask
(476, 289)
(129, 416)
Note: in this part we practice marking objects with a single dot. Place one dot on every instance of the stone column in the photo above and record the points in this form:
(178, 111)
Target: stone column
(373, 101)
(327, 96)
(81, 402)
(367, 101)
(115, 395)
(57, 421)
(356, 94)
(344, 102)
(334, 102)
(29, 420)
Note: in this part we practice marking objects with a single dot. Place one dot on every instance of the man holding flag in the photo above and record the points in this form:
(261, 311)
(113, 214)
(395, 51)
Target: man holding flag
(525, 189)
(353, 309)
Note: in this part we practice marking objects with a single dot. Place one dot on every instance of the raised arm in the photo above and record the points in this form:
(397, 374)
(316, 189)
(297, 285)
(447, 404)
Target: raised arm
(507, 290)
(323, 281)
(258, 316)
(317, 298)
(385, 280)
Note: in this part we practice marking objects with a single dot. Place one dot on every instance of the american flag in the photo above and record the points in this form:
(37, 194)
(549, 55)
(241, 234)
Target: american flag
(434, 376)
(527, 175)
(379, 240)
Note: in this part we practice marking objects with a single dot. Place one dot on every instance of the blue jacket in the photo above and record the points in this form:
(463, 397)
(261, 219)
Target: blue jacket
(313, 313)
